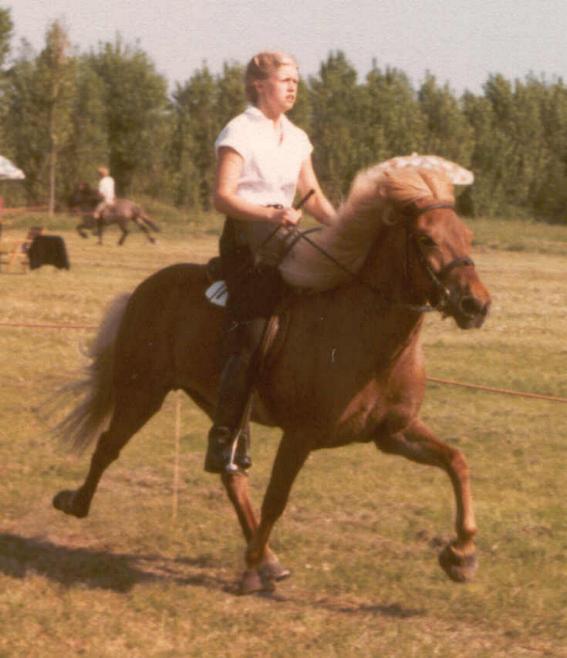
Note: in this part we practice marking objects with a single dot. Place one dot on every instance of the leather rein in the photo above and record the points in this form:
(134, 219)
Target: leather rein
(411, 240)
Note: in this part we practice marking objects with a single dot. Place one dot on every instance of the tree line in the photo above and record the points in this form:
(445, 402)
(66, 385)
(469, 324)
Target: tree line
(64, 112)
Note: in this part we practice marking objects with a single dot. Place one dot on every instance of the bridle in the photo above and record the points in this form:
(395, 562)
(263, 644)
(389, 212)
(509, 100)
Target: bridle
(444, 296)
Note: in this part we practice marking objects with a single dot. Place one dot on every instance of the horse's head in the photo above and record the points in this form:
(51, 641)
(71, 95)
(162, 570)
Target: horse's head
(83, 199)
(438, 265)
(397, 233)
(422, 249)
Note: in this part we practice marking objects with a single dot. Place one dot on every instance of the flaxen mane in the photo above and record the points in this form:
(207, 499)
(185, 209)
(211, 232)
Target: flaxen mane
(369, 206)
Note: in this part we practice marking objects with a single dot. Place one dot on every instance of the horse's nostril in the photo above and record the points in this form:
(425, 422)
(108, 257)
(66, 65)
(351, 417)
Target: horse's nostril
(471, 306)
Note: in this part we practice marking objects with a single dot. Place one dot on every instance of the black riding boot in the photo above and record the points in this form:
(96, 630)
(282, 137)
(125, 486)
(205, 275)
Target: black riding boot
(236, 384)
(234, 390)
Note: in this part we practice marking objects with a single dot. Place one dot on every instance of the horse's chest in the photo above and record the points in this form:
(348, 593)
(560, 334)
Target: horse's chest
(364, 412)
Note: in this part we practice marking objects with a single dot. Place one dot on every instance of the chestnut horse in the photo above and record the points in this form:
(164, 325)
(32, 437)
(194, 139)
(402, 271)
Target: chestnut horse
(346, 365)
(85, 199)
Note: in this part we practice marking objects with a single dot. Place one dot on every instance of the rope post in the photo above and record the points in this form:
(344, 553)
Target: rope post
(175, 495)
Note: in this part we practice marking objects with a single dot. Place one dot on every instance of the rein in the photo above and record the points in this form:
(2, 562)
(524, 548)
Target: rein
(461, 261)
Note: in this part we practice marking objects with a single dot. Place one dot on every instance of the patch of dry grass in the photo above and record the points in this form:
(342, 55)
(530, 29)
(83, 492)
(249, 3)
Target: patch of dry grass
(361, 530)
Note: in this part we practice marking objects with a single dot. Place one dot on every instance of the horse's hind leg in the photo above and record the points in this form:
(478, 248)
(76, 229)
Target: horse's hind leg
(80, 230)
(145, 229)
(99, 227)
(419, 444)
(131, 412)
(290, 458)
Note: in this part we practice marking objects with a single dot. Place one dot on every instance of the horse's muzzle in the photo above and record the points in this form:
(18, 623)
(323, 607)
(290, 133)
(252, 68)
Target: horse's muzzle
(469, 311)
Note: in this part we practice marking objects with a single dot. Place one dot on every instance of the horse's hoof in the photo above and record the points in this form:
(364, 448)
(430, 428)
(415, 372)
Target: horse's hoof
(64, 501)
(459, 568)
(252, 582)
(273, 570)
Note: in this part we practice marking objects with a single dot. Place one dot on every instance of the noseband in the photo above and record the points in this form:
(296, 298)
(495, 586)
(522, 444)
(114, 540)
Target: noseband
(435, 277)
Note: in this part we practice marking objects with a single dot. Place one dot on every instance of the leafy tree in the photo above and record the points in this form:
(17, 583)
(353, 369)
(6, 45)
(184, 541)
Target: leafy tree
(448, 132)
(493, 155)
(336, 109)
(393, 119)
(89, 144)
(39, 99)
(302, 112)
(229, 93)
(6, 28)
(136, 103)
(198, 125)
(549, 198)
(56, 77)
(6, 31)
(24, 125)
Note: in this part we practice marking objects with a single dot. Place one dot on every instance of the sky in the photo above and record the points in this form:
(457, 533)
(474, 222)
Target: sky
(461, 42)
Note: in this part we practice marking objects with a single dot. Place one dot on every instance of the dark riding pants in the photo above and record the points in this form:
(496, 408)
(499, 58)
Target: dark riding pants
(253, 294)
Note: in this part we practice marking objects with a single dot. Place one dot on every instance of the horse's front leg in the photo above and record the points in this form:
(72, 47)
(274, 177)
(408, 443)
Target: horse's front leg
(290, 458)
(237, 489)
(124, 235)
(419, 444)
(99, 229)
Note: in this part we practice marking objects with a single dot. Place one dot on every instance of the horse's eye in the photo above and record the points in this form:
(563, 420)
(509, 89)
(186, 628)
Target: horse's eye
(426, 241)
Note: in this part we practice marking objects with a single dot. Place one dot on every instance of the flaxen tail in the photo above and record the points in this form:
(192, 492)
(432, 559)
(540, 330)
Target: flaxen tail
(90, 417)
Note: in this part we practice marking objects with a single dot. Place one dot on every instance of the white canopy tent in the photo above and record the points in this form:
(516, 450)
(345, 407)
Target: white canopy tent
(9, 171)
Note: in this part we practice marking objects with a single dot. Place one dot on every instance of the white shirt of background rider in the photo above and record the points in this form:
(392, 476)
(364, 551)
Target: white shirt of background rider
(271, 167)
(106, 189)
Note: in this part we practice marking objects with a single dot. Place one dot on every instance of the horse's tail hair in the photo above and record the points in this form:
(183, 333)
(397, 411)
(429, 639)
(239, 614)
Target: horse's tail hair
(90, 417)
(149, 222)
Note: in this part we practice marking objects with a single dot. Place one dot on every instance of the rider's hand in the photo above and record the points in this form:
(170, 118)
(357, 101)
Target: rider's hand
(287, 216)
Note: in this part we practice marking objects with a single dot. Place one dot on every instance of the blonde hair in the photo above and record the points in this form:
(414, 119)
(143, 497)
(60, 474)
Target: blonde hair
(103, 171)
(375, 198)
(260, 67)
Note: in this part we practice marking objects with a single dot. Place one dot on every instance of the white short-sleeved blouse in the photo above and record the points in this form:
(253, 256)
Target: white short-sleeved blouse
(271, 167)
(106, 189)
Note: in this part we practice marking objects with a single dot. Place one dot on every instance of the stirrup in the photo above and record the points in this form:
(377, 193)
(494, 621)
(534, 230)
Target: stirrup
(225, 455)
(241, 456)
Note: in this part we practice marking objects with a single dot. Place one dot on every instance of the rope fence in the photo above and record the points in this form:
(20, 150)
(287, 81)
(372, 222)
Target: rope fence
(19, 210)
(24, 325)
(494, 389)
(436, 380)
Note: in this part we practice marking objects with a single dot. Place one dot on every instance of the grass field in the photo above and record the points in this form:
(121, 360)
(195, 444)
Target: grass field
(361, 531)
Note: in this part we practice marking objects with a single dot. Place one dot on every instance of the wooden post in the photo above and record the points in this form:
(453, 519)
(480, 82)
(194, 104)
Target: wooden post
(175, 497)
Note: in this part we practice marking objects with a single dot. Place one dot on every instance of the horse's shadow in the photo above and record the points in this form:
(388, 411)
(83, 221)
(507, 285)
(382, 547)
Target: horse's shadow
(99, 569)
(120, 572)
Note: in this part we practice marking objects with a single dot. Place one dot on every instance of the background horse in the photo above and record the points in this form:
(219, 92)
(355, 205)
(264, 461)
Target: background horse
(85, 199)
(346, 365)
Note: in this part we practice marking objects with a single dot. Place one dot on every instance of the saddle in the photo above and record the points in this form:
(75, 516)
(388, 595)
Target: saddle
(217, 294)
(214, 269)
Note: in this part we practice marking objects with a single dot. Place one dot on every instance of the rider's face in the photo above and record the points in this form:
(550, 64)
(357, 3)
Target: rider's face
(279, 91)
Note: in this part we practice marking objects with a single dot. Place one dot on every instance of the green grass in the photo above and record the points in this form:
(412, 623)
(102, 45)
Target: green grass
(361, 530)
(520, 235)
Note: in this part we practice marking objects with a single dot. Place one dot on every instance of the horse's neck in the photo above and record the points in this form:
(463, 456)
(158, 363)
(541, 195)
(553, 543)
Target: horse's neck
(386, 267)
